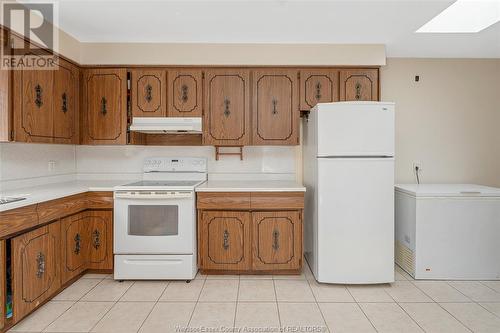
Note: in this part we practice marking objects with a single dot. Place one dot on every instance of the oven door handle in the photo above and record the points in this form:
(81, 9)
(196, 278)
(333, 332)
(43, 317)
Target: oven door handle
(177, 195)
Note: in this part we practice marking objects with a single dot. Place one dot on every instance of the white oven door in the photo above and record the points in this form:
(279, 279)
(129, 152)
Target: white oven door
(154, 222)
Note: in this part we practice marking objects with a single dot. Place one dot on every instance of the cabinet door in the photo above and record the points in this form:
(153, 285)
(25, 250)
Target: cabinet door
(318, 86)
(359, 85)
(104, 106)
(66, 103)
(275, 107)
(100, 226)
(35, 268)
(225, 240)
(227, 107)
(277, 240)
(184, 93)
(74, 246)
(33, 105)
(148, 93)
(3, 282)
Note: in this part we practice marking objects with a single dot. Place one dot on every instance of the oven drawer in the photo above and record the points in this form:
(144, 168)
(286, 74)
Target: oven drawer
(155, 267)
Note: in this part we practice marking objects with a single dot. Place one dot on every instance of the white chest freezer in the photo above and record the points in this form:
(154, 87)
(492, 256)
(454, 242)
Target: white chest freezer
(448, 231)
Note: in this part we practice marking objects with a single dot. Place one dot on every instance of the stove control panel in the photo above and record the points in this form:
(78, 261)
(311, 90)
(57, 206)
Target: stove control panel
(175, 164)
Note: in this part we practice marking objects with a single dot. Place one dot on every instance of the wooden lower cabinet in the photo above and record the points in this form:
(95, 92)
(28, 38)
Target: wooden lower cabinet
(87, 242)
(277, 240)
(35, 268)
(3, 283)
(226, 240)
(250, 232)
(100, 226)
(74, 246)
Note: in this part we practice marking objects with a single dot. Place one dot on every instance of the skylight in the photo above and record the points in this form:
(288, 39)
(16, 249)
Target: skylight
(464, 16)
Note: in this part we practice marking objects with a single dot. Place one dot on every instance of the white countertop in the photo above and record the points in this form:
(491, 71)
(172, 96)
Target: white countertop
(53, 191)
(250, 186)
(448, 190)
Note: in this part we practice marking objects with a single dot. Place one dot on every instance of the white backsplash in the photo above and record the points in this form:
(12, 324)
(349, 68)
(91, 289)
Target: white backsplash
(25, 165)
(126, 161)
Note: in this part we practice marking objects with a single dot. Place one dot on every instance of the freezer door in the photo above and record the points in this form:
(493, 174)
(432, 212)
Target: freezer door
(355, 220)
(355, 129)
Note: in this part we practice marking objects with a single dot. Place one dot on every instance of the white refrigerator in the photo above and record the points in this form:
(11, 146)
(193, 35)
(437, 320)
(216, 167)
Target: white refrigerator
(349, 174)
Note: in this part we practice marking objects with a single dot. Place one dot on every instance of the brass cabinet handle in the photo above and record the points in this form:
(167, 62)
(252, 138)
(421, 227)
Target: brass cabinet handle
(96, 239)
(358, 90)
(77, 244)
(318, 91)
(104, 103)
(64, 107)
(149, 93)
(40, 262)
(38, 95)
(184, 92)
(225, 242)
(226, 107)
(276, 236)
(275, 104)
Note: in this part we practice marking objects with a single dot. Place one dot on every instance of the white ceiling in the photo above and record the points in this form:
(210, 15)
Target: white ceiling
(392, 23)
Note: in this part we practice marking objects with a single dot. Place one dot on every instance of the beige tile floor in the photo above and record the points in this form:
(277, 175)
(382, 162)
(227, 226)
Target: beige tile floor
(97, 303)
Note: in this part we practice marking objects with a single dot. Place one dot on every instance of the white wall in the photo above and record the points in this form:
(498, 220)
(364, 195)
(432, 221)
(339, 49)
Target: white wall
(449, 120)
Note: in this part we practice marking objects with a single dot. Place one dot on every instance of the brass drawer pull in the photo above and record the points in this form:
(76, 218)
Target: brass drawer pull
(38, 95)
(225, 243)
(40, 262)
(77, 244)
(104, 103)
(96, 239)
(149, 93)
(64, 107)
(276, 244)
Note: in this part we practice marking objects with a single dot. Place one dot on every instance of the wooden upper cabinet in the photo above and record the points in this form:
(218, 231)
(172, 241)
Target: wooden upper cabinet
(359, 85)
(35, 268)
(33, 105)
(318, 86)
(104, 112)
(275, 107)
(184, 93)
(148, 93)
(227, 242)
(227, 107)
(66, 101)
(277, 240)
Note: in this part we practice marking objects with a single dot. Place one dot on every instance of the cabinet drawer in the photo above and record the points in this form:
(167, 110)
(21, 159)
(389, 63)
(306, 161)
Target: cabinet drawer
(227, 200)
(277, 200)
(16, 220)
(100, 200)
(55, 209)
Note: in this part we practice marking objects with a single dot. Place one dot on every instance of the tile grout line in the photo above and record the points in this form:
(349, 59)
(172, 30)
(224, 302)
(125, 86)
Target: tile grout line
(276, 302)
(197, 301)
(484, 284)
(436, 302)
(317, 305)
(153, 307)
(236, 306)
(362, 311)
(111, 308)
(74, 302)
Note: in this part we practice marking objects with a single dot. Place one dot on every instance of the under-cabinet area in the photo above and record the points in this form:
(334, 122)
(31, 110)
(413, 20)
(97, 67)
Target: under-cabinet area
(45, 246)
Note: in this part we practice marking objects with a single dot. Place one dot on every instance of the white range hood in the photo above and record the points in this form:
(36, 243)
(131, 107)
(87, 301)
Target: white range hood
(164, 125)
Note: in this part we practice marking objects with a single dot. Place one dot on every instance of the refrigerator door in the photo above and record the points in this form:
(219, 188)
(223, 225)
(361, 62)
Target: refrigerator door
(355, 129)
(355, 222)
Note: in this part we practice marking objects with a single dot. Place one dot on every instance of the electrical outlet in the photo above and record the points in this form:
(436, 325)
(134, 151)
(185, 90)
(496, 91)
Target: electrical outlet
(51, 167)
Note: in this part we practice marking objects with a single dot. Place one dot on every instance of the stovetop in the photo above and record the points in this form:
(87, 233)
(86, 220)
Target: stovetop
(164, 183)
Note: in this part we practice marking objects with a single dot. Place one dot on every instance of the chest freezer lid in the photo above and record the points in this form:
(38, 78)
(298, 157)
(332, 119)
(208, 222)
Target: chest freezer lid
(448, 190)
